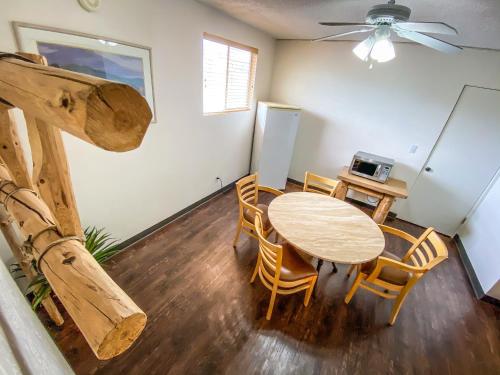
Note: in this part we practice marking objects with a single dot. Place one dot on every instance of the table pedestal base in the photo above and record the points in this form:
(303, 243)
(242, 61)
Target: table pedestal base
(320, 263)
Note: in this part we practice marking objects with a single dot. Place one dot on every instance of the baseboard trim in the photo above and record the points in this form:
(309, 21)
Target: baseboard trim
(295, 182)
(391, 215)
(474, 281)
(149, 231)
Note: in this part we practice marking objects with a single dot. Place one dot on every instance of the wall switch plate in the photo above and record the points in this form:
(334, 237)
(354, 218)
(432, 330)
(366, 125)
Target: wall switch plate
(413, 149)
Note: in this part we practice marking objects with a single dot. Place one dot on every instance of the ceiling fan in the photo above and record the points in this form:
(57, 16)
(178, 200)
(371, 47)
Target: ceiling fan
(384, 18)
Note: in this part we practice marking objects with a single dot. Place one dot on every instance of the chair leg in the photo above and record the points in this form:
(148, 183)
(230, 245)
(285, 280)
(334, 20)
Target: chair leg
(256, 270)
(237, 237)
(397, 305)
(271, 304)
(355, 286)
(276, 237)
(309, 291)
(349, 272)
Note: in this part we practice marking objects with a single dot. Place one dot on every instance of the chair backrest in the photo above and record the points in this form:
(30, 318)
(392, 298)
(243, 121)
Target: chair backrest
(428, 251)
(270, 254)
(247, 189)
(314, 183)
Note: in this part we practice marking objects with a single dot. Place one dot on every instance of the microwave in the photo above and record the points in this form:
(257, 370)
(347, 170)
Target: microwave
(374, 167)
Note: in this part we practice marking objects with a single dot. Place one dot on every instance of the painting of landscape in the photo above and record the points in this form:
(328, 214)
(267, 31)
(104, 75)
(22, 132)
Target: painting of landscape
(115, 67)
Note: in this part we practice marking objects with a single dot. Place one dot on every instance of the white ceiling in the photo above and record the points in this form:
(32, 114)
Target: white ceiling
(477, 21)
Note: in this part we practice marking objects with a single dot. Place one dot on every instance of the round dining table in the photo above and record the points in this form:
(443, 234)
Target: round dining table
(326, 228)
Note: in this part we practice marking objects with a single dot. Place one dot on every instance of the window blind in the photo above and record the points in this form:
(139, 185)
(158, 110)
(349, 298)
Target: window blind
(228, 74)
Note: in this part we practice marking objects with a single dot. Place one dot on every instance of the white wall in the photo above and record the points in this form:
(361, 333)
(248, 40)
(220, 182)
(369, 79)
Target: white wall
(181, 154)
(347, 107)
(481, 239)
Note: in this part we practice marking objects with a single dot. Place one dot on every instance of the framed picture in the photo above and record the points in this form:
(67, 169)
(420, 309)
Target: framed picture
(90, 54)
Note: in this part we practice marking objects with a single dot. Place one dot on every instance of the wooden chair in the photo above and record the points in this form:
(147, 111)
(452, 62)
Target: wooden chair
(314, 183)
(247, 190)
(388, 273)
(281, 269)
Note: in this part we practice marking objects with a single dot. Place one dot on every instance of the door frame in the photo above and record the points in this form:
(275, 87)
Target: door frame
(481, 196)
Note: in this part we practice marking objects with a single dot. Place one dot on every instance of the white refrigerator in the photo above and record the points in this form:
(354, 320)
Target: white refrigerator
(276, 127)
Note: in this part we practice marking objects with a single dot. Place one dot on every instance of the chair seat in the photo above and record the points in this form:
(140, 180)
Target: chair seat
(293, 267)
(389, 274)
(249, 215)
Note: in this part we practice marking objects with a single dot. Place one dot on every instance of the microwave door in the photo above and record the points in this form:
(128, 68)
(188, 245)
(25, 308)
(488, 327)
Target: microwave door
(368, 169)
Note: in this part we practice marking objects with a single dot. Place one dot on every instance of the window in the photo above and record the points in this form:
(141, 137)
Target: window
(228, 75)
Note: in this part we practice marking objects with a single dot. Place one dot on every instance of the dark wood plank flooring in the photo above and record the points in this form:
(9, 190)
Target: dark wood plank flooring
(205, 317)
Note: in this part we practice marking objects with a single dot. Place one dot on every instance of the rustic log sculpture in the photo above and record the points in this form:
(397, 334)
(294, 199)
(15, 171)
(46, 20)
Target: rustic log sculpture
(51, 174)
(107, 114)
(106, 316)
(11, 150)
(15, 245)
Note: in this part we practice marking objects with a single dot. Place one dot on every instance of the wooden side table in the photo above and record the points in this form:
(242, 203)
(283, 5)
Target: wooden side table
(385, 193)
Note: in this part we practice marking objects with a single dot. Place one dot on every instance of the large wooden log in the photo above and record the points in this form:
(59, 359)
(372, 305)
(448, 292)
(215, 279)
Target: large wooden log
(108, 319)
(12, 153)
(51, 175)
(15, 244)
(108, 114)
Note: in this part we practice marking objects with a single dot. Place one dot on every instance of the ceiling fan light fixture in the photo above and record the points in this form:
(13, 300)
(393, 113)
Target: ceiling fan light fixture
(385, 19)
(363, 49)
(383, 51)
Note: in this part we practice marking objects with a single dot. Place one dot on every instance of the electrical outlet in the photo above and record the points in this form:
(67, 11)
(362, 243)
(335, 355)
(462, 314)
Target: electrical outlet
(413, 149)
(218, 179)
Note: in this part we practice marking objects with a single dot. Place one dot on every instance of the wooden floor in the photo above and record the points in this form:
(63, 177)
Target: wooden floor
(205, 317)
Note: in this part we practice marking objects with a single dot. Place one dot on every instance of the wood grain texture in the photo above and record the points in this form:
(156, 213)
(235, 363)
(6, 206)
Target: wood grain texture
(393, 187)
(326, 228)
(382, 209)
(270, 271)
(108, 319)
(314, 183)
(108, 114)
(11, 151)
(51, 175)
(15, 243)
(205, 318)
(247, 190)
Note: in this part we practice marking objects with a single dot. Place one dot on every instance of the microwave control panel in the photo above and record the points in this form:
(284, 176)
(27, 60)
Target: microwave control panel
(384, 172)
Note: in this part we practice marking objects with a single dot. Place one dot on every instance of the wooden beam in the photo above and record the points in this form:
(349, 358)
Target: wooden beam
(51, 175)
(11, 151)
(15, 245)
(51, 170)
(108, 319)
(108, 114)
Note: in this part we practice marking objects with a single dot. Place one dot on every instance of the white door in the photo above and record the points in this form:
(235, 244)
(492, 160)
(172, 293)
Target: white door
(462, 164)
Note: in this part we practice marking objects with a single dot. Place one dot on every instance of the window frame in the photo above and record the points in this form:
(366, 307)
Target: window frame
(252, 74)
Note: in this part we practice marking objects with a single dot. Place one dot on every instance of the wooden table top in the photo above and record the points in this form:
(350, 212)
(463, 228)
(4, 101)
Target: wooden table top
(393, 187)
(326, 227)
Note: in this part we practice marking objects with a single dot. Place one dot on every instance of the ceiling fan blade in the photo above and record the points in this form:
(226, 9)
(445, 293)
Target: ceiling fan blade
(347, 24)
(427, 27)
(341, 34)
(429, 41)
